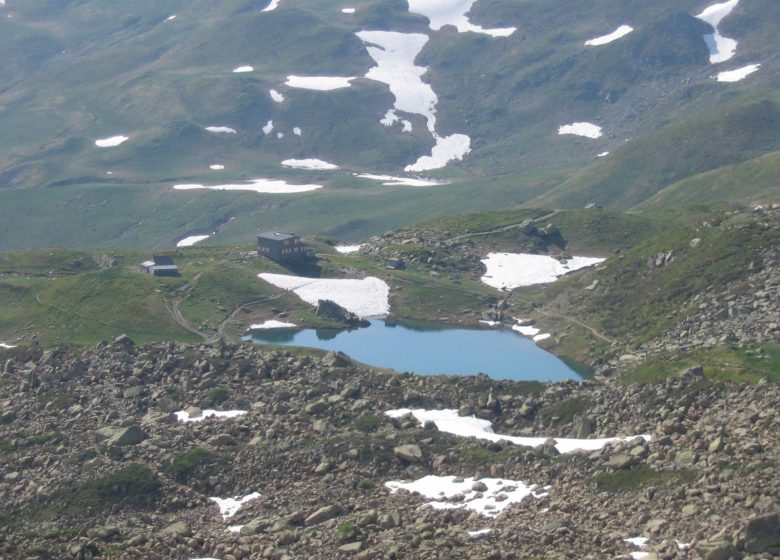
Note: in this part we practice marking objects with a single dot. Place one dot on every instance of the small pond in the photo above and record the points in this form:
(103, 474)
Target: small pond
(428, 349)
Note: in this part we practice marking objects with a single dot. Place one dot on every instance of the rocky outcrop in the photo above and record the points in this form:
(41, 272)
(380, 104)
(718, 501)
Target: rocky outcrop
(332, 311)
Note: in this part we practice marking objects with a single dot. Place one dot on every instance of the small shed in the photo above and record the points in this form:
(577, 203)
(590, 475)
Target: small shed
(160, 265)
(283, 247)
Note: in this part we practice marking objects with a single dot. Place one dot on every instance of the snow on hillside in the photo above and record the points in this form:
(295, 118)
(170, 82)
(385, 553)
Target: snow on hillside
(272, 6)
(242, 69)
(367, 297)
(216, 167)
(6, 346)
(228, 507)
(586, 129)
(486, 496)
(507, 271)
(448, 421)
(312, 163)
(347, 249)
(191, 240)
(738, 74)
(276, 96)
(269, 126)
(319, 83)
(221, 129)
(111, 142)
(390, 181)
(621, 31)
(347, 10)
(271, 324)
(395, 54)
(453, 12)
(267, 186)
(721, 48)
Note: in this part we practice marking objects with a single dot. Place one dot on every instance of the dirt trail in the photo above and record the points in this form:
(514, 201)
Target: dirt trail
(504, 228)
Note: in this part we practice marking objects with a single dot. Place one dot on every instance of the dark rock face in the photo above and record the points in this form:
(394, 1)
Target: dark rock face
(762, 534)
(676, 40)
(332, 311)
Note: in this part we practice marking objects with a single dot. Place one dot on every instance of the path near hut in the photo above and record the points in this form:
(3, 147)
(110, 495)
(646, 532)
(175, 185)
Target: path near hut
(505, 228)
(174, 308)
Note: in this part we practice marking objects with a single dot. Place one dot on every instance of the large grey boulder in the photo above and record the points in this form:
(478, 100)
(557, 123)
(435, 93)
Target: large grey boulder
(121, 437)
(762, 534)
(410, 453)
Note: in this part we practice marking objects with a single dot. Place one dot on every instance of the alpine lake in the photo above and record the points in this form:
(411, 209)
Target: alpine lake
(432, 349)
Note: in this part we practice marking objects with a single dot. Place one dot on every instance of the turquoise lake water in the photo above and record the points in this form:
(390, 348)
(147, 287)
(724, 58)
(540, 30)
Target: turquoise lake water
(432, 350)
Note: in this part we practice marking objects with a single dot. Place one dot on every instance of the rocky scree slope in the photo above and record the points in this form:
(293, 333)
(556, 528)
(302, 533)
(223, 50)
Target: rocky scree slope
(94, 463)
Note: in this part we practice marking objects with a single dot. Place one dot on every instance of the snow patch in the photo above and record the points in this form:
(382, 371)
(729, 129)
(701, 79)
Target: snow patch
(319, 83)
(272, 6)
(311, 163)
(228, 507)
(738, 74)
(389, 180)
(267, 186)
(721, 48)
(276, 96)
(184, 416)
(221, 129)
(111, 142)
(602, 154)
(235, 528)
(394, 54)
(272, 324)
(297, 131)
(367, 297)
(347, 249)
(242, 69)
(216, 167)
(269, 126)
(191, 240)
(347, 10)
(490, 323)
(447, 148)
(480, 533)
(621, 31)
(586, 129)
(6, 346)
(170, 18)
(280, 135)
(449, 422)
(449, 492)
(507, 271)
(453, 12)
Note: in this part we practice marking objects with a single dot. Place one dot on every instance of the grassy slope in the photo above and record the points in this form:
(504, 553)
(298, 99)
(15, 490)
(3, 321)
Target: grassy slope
(756, 181)
(645, 166)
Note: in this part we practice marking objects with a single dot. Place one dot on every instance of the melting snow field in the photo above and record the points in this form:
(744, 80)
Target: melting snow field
(621, 31)
(394, 54)
(266, 186)
(531, 332)
(453, 12)
(221, 129)
(276, 96)
(272, 324)
(316, 164)
(242, 69)
(228, 507)
(319, 83)
(111, 142)
(347, 249)
(586, 129)
(191, 240)
(721, 48)
(449, 422)
(449, 492)
(389, 180)
(184, 416)
(507, 271)
(738, 74)
(368, 297)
